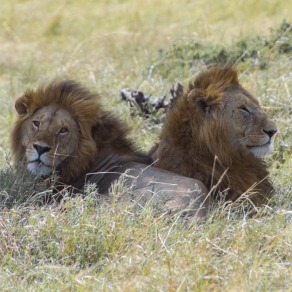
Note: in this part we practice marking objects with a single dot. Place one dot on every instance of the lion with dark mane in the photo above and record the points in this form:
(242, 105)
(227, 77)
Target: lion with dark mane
(217, 133)
(61, 128)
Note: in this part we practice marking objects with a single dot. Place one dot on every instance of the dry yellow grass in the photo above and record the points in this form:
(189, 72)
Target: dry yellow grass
(108, 45)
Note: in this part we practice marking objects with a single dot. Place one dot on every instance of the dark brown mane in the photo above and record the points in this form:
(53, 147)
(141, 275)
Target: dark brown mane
(195, 144)
(70, 95)
(101, 133)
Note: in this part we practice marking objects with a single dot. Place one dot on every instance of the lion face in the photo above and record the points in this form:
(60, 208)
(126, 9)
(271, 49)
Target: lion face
(229, 120)
(49, 137)
(246, 124)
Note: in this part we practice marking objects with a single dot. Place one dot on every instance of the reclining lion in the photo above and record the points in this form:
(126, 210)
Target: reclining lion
(217, 133)
(61, 128)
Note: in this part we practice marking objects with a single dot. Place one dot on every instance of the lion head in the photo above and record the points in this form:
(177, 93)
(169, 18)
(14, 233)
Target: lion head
(62, 128)
(218, 133)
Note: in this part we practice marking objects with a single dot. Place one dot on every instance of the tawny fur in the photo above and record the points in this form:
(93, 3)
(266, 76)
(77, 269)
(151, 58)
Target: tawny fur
(196, 142)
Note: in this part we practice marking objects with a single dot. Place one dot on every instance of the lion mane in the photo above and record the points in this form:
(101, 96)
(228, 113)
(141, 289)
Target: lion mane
(218, 133)
(99, 143)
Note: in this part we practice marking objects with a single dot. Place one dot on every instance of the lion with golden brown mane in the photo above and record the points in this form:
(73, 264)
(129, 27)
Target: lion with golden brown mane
(62, 129)
(217, 133)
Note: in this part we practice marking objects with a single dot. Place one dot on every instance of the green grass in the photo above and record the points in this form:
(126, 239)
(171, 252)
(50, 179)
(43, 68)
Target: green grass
(101, 244)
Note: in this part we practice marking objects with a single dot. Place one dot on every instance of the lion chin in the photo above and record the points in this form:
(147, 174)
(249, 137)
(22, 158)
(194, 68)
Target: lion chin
(38, 168)
(218, 133)
(261, 151)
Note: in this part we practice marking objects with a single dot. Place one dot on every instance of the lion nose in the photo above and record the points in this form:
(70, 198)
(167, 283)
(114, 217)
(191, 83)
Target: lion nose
(40, 148)
(270, 132)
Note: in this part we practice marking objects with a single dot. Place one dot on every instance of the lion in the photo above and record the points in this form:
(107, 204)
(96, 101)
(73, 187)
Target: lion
(62, 130)
(218, 133)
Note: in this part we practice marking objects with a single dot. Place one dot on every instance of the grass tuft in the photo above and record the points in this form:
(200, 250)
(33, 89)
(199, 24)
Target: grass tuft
(18, 188)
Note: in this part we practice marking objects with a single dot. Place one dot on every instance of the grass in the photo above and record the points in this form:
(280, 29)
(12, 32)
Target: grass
(95, 244)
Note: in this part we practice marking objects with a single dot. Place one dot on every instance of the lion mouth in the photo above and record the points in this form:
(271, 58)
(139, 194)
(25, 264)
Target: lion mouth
(258, 146)
(39, 162)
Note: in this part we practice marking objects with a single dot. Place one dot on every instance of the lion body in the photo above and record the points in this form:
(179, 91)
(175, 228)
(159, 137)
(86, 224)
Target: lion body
(61, 128)
(218, 133)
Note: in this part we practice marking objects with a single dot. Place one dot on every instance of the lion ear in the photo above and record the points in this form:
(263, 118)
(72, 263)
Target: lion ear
(199, 98)
(204, 106)
(21, 105)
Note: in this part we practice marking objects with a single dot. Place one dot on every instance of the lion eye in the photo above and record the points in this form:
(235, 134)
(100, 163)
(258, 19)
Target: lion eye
(245, 109)
(63, 131)
(36, 124)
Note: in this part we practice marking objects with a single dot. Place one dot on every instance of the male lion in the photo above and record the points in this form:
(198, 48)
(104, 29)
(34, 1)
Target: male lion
(61, 128)
(218, 133)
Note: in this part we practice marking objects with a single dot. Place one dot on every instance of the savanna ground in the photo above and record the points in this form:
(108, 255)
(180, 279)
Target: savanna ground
(146, 45)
